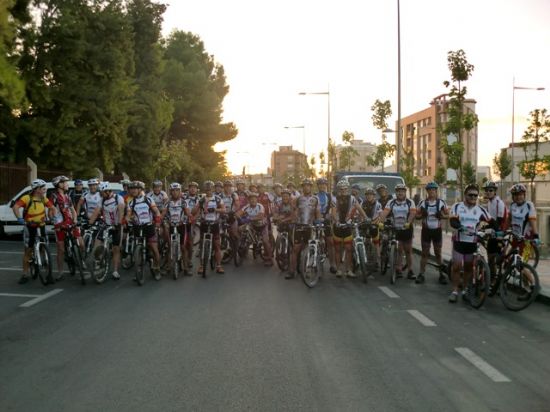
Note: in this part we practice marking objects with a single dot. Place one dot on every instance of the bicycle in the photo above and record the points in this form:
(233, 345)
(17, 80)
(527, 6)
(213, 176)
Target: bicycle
(142, 256)
(283, 247)
(314, 256)
(226, 242)
(359, 254)
(175, 251)
(478, 288)
(89, 236)
(207, 249)
(127, 252)
(73, 254)
(517, 282)
(40, 261)
(389, 252)
(102, 256)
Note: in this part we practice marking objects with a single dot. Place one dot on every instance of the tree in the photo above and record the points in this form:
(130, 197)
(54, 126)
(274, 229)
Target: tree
(536, 133)
(440, 176)
(381, 112)
(457, 120)
(502, 164)
(347, 153)
(407, 170)
(469, 173)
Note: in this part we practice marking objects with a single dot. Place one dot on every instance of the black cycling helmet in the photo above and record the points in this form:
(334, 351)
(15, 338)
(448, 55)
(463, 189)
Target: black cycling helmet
(322, 181)
(471, 186)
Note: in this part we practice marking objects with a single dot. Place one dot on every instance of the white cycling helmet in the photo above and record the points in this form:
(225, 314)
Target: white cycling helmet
(342, 184)
(94, 181)
(37, 183)
(59, 179)
(175, 186)
(104, 186)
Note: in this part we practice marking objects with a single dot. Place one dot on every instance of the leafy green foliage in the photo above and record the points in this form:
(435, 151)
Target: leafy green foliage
(440, 176)
(469, 173)
(381, 112)
(502, 163)
(347, 153)
(536, 133)
(407, 170)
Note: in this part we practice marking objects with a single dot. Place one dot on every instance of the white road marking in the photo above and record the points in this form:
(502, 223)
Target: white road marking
(483, 366)
(40, 298)
(389, 293)
(11, 253)
(18, 269)
(18, 295)
(419, 316)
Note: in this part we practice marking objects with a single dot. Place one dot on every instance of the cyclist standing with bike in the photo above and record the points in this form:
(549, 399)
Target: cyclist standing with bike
(142, 211)
(431, 210)
(326, 202)
(383, 195)
(231, 201)
(465, 217)
(284, 216)
(90, 200)
(176, 211)
(111, 208)
(523, 215)
(209, 207)
(346, 209)
(497, 209)
(34, 207)
(64, 219)
(402, 210)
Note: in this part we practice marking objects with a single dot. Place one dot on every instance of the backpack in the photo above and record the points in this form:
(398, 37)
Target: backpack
(31, 202)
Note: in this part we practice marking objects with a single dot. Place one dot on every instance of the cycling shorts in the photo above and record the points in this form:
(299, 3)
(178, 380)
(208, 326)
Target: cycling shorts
(60, 233)
(30, 233)
(429, 236)
(342, 234)
(301, 234)
(214, 229)
(116, 233)
(404, 235)
(463, 252)
(148, 231)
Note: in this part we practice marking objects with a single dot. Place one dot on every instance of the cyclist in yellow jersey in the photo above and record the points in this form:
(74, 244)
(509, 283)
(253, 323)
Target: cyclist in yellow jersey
(34, 218)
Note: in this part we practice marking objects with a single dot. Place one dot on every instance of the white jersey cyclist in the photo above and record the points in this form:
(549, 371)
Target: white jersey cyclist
(160, 199)
(469, 218)
(191, 200)
(306, 208)
(141, 209)
(110, 208)
(434, 210)
(230, 201)
(91, 202)
(209, 203)
(400, 212)
(253, 211)
(372, 209)
(176, 211)
(497, 208)
(521, 217)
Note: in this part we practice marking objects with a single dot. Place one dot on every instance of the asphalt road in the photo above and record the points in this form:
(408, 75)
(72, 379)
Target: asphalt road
(249, 340)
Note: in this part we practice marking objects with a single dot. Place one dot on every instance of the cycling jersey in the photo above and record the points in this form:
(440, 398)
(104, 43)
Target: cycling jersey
(75, 197)
(345, 208)
(243, 199)
(191, 200)
(34, 208)
(497, 209)
(91, 202)
(384, 202)
(176, 211)
(326, 202)
(160, 200)
(229, 200)
(400, 212)
(469, 218)
(277, 200)
(522, 217)
(372, 209)
(212, 202)
(253, 211)
(266, 200)
(433, 209)
(306, 206)
(141, 208)
(284, 211)
(110, 209)
(63, 204)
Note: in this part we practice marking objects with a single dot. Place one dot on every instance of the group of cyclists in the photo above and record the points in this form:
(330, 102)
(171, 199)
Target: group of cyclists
(225, 205)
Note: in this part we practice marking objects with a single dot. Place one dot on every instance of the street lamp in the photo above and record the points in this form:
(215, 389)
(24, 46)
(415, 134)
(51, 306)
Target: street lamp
(514, 88)
(327, 93)
(303, 136)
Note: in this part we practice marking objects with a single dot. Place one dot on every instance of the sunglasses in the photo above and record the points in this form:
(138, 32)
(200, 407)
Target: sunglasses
(472, 195)
(489, 190)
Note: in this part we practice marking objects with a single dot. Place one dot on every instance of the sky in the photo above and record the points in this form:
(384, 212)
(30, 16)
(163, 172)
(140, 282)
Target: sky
(272, 50)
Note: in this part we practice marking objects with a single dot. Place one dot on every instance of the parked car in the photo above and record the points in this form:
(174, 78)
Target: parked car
(369, 179)
(8, 222)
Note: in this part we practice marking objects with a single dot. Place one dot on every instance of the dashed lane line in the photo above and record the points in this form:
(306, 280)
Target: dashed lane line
(18, 295)
(419, 316)
(483, 366)
(40, 298)
(388, 292)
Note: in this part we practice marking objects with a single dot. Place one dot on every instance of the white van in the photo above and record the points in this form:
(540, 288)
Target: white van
(8, 222)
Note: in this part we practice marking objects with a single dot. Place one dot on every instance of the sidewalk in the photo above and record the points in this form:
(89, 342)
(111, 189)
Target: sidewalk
(543, 268)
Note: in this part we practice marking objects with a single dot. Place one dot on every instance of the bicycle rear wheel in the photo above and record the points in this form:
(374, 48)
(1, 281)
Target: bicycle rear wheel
(310, 268)
(479, 286)
(516, 290)
(100, 264)
(44, 269)
(140, 264)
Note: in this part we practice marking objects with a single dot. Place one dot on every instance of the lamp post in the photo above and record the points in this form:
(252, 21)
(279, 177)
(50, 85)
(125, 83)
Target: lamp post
(514, 88)
(303, 136)
(398, 139)
(327, 93)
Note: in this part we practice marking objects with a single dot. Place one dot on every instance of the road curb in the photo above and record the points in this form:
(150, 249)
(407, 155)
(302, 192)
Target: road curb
(542, 297)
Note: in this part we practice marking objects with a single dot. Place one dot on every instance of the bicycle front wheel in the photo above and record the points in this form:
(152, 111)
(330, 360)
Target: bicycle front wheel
(519, 286)
(479, 286)
(392, 264)
(362, 262)
(77, 259)
(205, 256)
(100, 264)
(139, 259)
(44, 268)
(175, 261)
(281, 253)
(310, 268)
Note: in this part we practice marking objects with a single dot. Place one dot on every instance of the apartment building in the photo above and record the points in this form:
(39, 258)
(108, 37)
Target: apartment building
(287, 162)
(420, 135)
(359, 162)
